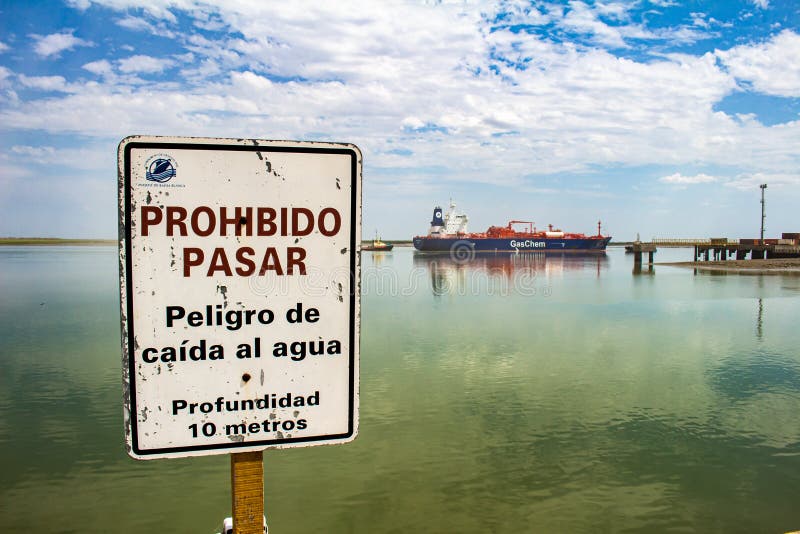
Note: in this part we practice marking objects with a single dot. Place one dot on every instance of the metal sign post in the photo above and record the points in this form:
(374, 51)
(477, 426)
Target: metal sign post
(239, 290)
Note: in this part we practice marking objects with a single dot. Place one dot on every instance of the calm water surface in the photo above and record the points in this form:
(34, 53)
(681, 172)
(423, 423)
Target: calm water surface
(525, 394)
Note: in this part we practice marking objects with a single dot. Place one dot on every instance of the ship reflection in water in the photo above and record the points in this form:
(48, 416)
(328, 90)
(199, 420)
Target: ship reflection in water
(523, 274)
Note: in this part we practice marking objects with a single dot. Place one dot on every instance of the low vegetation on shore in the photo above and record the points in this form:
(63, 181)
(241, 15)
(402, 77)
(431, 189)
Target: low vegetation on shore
(54, 241)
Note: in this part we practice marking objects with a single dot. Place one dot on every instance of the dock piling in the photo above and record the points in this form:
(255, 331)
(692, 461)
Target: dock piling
(638, 249)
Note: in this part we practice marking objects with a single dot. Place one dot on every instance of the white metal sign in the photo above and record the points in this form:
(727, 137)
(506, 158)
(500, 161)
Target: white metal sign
(239, 285)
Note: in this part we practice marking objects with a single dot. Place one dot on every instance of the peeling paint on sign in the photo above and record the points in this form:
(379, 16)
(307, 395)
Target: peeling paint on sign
(226, 276)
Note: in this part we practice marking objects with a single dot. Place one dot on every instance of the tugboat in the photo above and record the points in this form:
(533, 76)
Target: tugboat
(378, 245)
(449, 233)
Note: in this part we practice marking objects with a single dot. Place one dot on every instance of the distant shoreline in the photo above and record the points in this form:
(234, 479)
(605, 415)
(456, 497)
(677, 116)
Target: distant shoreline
(769, 266)
(53, 241)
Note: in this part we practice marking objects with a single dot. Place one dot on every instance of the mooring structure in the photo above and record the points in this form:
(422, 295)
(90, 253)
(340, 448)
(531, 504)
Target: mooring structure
(722, 248)
(638, 248)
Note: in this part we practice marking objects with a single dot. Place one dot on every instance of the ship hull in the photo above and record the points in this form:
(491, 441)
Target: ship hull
(466, 244)
(377, 248)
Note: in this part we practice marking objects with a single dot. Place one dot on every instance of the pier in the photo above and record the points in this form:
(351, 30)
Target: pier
(743, 251)
(722, 248)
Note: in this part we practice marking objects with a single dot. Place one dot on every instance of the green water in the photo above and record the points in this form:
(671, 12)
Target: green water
(528, 394)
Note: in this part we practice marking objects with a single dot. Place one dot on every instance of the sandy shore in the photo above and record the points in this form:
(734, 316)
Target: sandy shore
(773, 266)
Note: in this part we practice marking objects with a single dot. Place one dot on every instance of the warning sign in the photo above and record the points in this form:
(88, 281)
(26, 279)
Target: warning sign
(239, 284)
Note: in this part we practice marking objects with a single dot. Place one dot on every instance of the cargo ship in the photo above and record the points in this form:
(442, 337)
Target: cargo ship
(448, 233)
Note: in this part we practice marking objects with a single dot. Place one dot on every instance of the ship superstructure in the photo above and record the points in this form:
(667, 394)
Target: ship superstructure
(448, 233)
(452, 223)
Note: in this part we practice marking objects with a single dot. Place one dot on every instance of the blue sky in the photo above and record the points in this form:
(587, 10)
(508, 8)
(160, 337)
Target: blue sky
(657, 116)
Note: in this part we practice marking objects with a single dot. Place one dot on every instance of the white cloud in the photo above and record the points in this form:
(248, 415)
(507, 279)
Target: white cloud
(583, 19)
(144, 64)
(55, 43)
(101, 67)
(83, 5)
(44, 83)
(185, 58)
(763, 4)
(433, 93)
(134, 23)
(522, 12)
(616, 10)
(587, 19)
(412, 123)
(206, 20)
(3, 47)
(436, 95)
(772, 67)
(84, 158)
(153, 26)
(751, 182)
(5, 74)
(683, 34)
(699, 19)
(680, 179)
(157, 9)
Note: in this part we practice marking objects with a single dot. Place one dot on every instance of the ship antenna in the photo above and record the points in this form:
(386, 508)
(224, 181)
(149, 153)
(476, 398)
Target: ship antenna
(598, 229)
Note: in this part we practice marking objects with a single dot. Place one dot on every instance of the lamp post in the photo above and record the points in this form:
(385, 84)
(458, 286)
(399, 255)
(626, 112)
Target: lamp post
(763, 215)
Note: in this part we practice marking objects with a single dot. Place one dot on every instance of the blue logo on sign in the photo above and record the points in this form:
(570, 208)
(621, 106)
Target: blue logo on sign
(160, 170)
